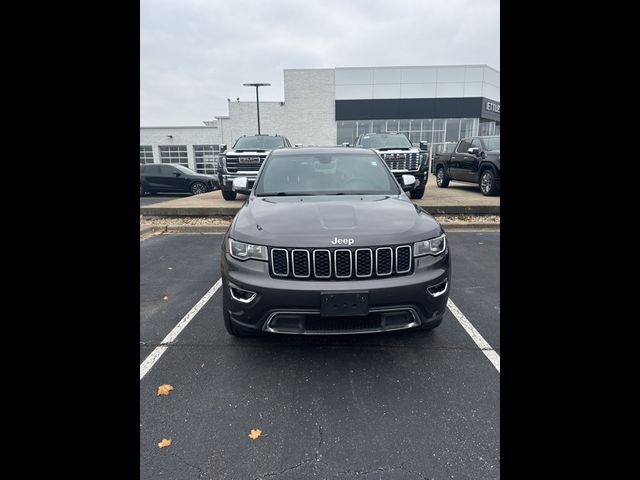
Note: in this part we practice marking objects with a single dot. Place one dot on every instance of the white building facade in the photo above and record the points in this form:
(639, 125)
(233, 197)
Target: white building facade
(329, 106)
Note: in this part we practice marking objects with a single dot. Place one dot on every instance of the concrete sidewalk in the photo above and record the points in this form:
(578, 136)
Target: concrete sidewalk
(458, 198)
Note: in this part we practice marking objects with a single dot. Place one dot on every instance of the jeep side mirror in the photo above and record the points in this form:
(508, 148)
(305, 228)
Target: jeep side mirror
(424, 145)
(474, 151)
(223, 147)
(240, 183)
(408, 182)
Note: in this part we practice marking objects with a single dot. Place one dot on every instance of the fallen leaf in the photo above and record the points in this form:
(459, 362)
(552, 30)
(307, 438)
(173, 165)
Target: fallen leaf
(164, 443)
(255, 433)
(164, 389)
(480, 243)
(165, 298)
(170, 268)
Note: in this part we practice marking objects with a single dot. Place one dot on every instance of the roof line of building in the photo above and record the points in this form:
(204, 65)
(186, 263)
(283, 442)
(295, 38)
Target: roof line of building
(397, 66)
(181, 126)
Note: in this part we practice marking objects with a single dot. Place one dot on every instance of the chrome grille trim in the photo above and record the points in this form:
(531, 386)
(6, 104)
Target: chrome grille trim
(335, 262)
(293, 263)
(315, 259)
(370, 263)
(391, 262)
(410, 259)
(286, 255)
(315, 274)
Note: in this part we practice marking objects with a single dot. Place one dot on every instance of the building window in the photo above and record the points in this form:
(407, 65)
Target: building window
(174, 154)
(146, 154)
(206, 158)
(441, 133)
(347, 131)
(487, 129)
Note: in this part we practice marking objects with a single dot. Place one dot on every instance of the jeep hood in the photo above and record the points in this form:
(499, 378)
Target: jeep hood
(370, 220)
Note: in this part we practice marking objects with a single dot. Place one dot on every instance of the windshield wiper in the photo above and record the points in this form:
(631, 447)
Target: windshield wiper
(356, 193)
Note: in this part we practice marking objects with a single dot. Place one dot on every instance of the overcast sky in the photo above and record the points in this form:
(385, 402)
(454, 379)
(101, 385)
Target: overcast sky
(194, 54)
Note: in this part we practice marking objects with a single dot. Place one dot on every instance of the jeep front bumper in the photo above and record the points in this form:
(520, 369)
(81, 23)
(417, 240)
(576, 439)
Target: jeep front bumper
(413, 300)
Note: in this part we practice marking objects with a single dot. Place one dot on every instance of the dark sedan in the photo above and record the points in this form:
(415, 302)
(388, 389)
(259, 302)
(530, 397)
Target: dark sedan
(174, 178)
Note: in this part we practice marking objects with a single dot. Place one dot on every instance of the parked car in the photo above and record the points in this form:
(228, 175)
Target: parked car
(155, 177)
(329, 243)
(244, 160)
(474, 159)
(401, 156)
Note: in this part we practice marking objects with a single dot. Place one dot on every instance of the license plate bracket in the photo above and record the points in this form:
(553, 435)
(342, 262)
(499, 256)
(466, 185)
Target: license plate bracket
(344, 304)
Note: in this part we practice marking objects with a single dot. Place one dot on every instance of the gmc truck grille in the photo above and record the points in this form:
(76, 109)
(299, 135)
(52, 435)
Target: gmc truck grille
(402, 161)
(244, 163)
(340, 263)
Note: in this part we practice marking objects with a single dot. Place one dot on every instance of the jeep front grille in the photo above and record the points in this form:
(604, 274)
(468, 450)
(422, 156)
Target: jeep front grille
(340, 263)
(402, 161)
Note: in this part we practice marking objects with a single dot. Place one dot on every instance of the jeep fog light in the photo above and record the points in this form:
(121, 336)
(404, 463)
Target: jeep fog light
(241, 295)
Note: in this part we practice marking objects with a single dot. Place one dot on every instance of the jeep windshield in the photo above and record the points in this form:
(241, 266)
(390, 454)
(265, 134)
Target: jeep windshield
(384, 140)
(325, 174)
(258, 143)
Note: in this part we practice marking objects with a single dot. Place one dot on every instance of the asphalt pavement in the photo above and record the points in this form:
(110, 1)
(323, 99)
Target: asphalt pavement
(386, 406)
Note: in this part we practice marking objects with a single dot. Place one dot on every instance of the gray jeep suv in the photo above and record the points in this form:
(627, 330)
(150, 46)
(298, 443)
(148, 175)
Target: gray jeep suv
(328, 243)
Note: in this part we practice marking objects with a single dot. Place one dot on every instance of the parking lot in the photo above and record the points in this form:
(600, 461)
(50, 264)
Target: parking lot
(386, 406)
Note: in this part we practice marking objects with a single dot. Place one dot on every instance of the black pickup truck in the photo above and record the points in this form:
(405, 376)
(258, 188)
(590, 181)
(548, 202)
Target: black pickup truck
(475, 159)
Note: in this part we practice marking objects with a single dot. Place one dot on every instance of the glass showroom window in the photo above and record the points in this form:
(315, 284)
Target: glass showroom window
(347, 132)
(364, 126)
(468, 127)
(146, 154)
(174, 154)
(441, 133)
(487, 128)
(206, 158)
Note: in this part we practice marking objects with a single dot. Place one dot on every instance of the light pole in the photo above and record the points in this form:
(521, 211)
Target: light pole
(257, 85)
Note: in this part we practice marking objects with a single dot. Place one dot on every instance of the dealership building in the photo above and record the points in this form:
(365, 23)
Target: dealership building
(329, 106)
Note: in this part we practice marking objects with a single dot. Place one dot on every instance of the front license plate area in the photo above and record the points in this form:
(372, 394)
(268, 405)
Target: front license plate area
(249, 160)
(344, 304)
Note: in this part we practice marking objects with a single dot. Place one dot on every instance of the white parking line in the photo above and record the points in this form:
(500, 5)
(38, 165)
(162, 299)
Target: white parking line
(173, 334)
(489, 352)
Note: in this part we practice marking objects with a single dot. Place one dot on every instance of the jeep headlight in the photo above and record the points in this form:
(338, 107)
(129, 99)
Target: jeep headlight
(434, 246)
(246, 251)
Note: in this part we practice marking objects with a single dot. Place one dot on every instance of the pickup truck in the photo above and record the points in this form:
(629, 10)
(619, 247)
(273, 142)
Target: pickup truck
(475, 160)
(401, 157)
(244, 160)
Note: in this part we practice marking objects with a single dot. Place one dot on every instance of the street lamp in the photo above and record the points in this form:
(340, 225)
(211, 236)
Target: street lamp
(257, 85)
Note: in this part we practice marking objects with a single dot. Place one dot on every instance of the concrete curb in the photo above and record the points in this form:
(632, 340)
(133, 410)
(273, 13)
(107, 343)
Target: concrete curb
(151, 229)
(461, 227)
(450, 227)
(196, 228)
(152, 211)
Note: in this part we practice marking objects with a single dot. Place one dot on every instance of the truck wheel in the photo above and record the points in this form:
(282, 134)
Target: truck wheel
(417, 193)
(488, 183)
(441, 178)
(229, 194)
